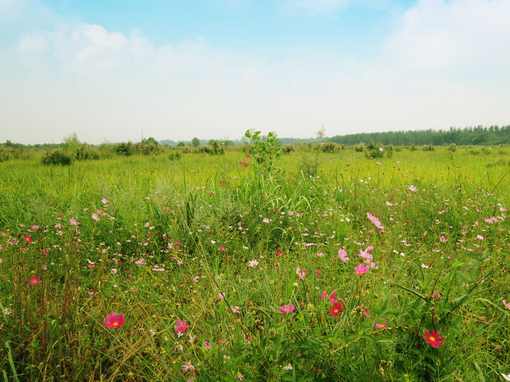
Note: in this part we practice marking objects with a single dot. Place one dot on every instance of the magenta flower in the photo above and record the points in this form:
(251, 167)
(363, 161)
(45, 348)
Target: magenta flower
(433, 338)
(331, 298)
(374, 220)
(207, 345)
(343, 255)
(336, 309)
(181, 326)
(28, 239)
(114, 321)
(286, 309)
(35, 280)
(362, 269)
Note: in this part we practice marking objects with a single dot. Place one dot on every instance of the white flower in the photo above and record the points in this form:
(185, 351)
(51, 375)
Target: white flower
(266, 220)
(113, 271)
(507, 377)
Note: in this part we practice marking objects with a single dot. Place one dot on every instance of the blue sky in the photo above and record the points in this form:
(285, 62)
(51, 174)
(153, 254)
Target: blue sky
(211, 69)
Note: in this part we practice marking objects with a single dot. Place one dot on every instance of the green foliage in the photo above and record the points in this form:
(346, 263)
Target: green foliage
(195, 142)
(330, 147)
(428, 148)
(56, 157)
(452, 148)
(124, 148)
(266, 151)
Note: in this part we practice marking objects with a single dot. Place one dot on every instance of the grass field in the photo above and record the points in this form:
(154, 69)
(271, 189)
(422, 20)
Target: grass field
(222, 273)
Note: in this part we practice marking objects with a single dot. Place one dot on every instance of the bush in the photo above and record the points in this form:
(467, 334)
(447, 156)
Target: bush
(287, 149)
(428, 148)
(56, 157)
(331, 147)
(124, 149)
(206, 149)
(359, 148)
(87, 152)
(175, 155)
(452, 148)
(374, 154)
(413, 147)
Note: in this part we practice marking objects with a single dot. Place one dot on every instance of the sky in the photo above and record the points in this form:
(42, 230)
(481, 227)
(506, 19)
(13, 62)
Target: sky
(113, 70)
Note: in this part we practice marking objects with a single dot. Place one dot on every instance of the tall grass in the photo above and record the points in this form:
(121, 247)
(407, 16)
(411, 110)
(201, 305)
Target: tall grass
(207, 240)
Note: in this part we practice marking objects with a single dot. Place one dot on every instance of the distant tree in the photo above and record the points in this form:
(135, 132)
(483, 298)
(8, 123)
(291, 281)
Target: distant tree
(195, 142)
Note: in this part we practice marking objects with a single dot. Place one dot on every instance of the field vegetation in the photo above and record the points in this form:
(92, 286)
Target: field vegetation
(255, 263)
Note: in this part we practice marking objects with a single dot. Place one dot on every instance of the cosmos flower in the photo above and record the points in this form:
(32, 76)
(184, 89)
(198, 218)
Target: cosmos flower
(433, 338)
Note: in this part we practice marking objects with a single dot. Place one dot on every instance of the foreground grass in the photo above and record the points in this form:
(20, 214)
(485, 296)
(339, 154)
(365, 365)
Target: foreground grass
(207, 241)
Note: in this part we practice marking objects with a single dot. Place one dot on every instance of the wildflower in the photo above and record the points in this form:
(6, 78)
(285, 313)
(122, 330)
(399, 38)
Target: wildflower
(318, 273)
(331, 298)
(366, 312)
(235, 309)
(104, 201)
(28, 239)
(507, 305)
(362, 269)
(343, 255)
(35, 280)
(424, 266)
(288, 367)
(374, 220)
(253, 263)
(381, 149)
(188, 367)
(240, 377)
(381, 326)
(286, 309)
(248, 156)
(181, 326)
(433, 338)
(443, 239)
(35, 227)
(412, 188)
(301, 273)
(249, 339)
(113, 271)
(222, 295)
(436, 294)
(479, 237)
(207, 345)
(222, 248)
(265, 220)
(507, 377)
(73, 222)
(114, 321)
(95, 217)
(7, 311)
(336, 309)
(278, 252)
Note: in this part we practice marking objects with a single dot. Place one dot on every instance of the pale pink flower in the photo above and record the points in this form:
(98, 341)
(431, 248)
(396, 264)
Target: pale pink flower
(479, 237)
(343, 255)
(253, 263)
(366, 312)
(73, 222)
(301, 273)
(188, 367)
(104, 201)
(362, 269)
(443, 239)
(506, 304)
(381, 326)
(374, 220)
(222, 295)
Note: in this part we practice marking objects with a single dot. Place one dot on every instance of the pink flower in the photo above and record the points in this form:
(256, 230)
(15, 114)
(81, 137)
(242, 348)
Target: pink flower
(35, 280)
(362, 269)
(248, 156)
(433, 338)
(278, 252)
(380, 326)
(506, 304)
(336, 309)
(374, 220)
(181, 326)
(73, 222)
(222, 295)
(207, 345)
(366, 312)
(28, 239)
(249, 339)
(343, 255)
(443, 239)
(188, 367)
(114, 321)
(286, 309)
(479, 237)
(222, 249)
(331, 298)
(301, 273)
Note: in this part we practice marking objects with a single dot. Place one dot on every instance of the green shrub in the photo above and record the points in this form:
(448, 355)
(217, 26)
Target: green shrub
(56, 157)
(331, 147)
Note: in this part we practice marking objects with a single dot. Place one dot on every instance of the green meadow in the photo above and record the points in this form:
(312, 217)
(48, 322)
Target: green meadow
(313, 267)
